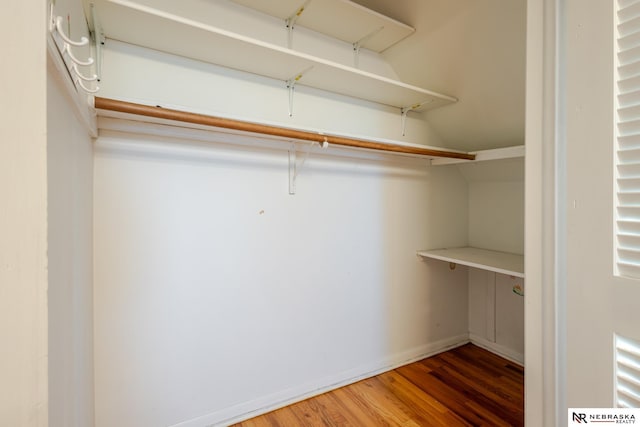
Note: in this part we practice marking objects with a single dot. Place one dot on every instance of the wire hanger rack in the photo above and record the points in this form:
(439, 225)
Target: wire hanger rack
(65, 46)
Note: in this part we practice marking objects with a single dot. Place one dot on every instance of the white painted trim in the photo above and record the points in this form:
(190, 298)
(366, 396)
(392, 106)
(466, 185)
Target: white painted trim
(541, 364)
(500, 350)
(283, 398)
(534, 384)
(559, 325)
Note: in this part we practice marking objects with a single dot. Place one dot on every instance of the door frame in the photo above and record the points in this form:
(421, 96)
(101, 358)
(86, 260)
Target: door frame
(545, 393)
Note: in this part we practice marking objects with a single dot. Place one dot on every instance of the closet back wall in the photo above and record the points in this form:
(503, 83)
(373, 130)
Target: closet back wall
(217, 293)
(496, 204)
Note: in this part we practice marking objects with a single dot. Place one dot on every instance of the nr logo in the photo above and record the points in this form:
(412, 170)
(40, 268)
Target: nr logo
(579, 418)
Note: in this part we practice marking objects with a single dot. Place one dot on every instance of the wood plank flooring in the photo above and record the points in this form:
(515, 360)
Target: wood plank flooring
(466, 386)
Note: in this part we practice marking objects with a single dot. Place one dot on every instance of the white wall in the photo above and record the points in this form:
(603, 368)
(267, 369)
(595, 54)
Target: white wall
(496, 204)
(23, 218)
(471, 49)
(70, 249)
(218, 293)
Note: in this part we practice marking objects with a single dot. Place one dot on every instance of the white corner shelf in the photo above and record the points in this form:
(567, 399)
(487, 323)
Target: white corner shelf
(340, 19)
(498, 262)
(514, 152)
(153, 28)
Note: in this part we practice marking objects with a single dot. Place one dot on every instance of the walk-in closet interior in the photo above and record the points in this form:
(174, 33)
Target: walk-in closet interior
(253, 202)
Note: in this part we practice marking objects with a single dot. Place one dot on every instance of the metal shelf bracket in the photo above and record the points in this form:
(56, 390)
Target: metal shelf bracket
(294, 167)
(405, 110)
(291, 22)
(291, 84)
(358, 45)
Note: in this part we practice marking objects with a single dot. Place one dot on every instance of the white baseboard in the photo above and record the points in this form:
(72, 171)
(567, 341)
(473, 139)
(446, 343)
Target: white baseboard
(498, 349)
(244, 411)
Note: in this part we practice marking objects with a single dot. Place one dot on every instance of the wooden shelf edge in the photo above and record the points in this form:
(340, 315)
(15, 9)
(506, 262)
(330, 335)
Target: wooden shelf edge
(484, 259)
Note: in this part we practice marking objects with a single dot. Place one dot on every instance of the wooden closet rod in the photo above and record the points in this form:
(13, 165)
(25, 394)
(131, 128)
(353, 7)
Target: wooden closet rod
(201, 119)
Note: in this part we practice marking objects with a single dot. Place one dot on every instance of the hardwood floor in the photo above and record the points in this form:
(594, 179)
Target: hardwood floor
(466, 386)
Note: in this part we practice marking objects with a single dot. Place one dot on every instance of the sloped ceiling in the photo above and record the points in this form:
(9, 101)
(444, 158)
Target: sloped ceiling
(471, 49)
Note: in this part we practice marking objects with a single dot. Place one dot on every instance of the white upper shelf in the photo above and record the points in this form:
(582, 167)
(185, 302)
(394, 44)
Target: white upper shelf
(150, 27)
(340, 19)
(498, 262)
(514, 152)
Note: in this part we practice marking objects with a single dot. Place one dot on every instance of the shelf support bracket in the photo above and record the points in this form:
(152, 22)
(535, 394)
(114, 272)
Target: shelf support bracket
(291, 84)
(294, 167)
(358, 45)
(405, 110)
(291, 22)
